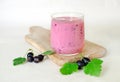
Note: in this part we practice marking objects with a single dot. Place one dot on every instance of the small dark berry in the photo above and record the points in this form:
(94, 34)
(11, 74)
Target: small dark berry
(55, 24)
(41, 57)
(30, 54)
(80, 64)
(76, 24)
(85, 60)
(30, 59)
(36, 59)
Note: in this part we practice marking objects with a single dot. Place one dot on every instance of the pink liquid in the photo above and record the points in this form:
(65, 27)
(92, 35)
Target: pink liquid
(67, 35)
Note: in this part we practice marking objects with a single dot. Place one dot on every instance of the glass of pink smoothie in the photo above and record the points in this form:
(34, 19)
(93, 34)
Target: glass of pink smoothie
(67, 33)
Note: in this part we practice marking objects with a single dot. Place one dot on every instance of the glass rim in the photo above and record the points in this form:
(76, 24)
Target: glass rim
(70, 14)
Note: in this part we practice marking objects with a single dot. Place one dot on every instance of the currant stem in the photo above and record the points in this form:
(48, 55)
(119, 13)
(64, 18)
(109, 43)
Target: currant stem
(29, 50)
(81, 56)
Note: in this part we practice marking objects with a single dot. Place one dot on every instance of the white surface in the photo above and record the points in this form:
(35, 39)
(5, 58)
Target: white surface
(16, 16)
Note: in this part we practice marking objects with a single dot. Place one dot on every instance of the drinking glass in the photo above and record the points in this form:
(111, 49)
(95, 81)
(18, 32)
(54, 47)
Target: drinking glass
(67, 33)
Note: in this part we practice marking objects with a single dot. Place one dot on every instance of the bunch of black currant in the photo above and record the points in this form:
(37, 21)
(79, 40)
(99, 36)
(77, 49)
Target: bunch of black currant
(83, 62)
(32, 58)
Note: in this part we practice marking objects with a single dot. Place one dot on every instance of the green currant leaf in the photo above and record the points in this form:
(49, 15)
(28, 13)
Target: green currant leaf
(69, 68)
(49, 52)
(19, 60)
(94, 67)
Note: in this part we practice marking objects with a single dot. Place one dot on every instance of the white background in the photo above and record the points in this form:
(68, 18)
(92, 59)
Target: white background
(102, 26)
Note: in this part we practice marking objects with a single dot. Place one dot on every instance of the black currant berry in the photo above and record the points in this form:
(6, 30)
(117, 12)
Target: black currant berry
(30, 59)
(36, 59)
(30, 54)
(41, 57)
(85, 60)
(80, 64)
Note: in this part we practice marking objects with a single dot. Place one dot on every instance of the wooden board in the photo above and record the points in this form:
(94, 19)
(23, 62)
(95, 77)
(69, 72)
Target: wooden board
(40, 38)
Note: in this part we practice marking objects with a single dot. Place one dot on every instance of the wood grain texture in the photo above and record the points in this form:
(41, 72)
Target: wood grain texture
(40, 38)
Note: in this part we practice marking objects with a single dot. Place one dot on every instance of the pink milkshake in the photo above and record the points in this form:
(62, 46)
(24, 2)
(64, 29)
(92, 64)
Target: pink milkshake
(67, 34)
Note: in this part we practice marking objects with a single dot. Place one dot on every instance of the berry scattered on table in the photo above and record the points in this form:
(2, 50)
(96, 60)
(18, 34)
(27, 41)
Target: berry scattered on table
(30, 59)
(30, 54)
(85, 60)
(80, 64)
(41, 57)
(36, 59)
